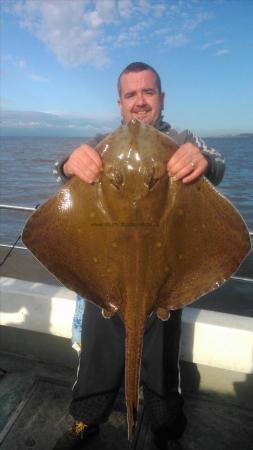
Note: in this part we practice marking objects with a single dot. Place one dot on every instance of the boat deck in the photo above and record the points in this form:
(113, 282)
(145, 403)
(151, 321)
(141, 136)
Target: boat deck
(34, 398)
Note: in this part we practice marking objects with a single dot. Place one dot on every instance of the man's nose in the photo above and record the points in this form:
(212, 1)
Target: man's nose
(140, 99)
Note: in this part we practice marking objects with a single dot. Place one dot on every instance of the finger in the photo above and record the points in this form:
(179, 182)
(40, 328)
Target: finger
(183, 151)
(183, 164)
(174, 161)
(93, 173)
(88, 176)
(87, 163)
(85, 160)
(92, 153)
(199, 167)
(84, 168)
(193, 176)
(185, 156)
(183, 172)
(85, 155)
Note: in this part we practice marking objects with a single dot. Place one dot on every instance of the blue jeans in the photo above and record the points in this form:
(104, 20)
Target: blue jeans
(78, 320)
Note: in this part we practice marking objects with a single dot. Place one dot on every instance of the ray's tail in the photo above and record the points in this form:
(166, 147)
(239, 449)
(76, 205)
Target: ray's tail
(134, 338)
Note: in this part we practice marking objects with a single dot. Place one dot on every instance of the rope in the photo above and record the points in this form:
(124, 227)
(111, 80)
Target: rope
(10, 251)
(16, 241)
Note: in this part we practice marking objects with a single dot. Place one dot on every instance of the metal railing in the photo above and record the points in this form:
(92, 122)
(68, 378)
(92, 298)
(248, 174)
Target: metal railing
(17, 208)
(32, 209)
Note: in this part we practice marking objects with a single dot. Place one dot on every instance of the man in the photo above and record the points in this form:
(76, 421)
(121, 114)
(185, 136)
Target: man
(101, 364)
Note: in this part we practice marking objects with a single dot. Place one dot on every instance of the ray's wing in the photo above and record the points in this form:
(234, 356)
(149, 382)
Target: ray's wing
(70, 236)
(206, 241)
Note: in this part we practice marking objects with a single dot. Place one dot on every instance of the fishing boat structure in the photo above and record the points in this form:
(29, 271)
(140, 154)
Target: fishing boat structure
(38, 363)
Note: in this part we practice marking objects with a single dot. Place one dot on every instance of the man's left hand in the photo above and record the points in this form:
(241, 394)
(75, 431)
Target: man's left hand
(187, 164)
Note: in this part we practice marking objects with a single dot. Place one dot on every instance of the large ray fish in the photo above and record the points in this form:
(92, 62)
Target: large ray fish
(137, 241)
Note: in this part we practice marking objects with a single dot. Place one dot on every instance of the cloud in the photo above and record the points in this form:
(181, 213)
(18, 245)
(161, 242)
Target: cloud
(182, 19)
(35, 123)
(160, 9)
(70, 29)
(133, 35)
(35, 77)
(177, 40)
(223, 51)
(126, 8)
(85, 32)
(213, 45)
(21, 66)
(193, 22)
(208, 45)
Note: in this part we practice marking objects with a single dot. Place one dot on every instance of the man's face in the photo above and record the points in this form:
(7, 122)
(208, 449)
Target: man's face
(140, 98)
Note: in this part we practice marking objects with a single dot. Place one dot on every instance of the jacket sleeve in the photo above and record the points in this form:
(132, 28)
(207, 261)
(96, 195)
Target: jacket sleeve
(58, 165)
(216, 161)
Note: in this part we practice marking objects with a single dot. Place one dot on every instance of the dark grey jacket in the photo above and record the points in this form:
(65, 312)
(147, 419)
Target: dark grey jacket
(216, 166)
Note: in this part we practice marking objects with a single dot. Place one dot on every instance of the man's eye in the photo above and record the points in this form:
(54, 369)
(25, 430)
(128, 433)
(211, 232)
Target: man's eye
(131, 94)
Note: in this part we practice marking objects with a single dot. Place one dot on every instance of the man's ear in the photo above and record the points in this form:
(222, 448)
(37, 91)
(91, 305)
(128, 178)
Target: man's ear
(119, 105)
(162, 100)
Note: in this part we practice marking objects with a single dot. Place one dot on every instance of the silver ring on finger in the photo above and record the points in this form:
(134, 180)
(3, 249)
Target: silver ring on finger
(193, 164)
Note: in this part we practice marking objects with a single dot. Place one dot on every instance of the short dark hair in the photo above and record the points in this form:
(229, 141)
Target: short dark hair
(139, 67)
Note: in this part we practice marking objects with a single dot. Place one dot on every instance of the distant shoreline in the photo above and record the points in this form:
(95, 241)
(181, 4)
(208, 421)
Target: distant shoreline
(228, 136)
(218, 136)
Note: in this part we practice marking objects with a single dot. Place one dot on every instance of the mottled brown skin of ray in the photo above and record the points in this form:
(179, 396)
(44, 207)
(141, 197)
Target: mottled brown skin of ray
(137, 241)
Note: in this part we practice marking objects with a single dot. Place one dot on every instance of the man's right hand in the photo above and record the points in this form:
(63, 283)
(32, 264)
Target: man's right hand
(85, 163)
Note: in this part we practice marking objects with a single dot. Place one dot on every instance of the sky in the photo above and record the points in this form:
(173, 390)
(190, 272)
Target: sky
(60, 60)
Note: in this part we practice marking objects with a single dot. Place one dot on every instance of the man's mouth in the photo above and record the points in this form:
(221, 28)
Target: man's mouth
(140, 114)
